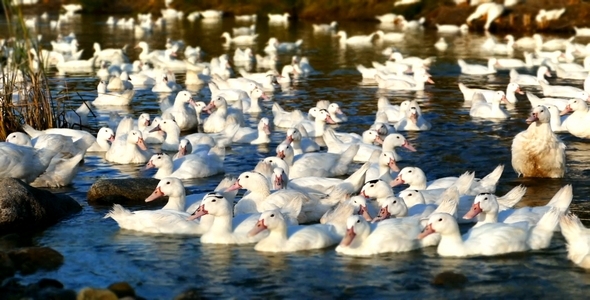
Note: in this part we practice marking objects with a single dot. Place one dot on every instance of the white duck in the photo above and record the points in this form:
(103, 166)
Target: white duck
(537, 151)
(356, 40)
(413, 121)
(299, 142)
(480, 108)
(364, 239)
(383, 168)
(105, 98)
(171, 219)
(577, 122)
(181, 112)
(490, 239)
(565, 91)
(577, 238)
(474, 69)
(487, 210)
(103, 137)
(188, 166)
(60, 172)
(392, 141)
(317, 164)
(128, 149)
(489, 95)
(284, 238)
(57, 143)
(22, 162)
(525, 79)
(561, 103)
(240, 39)
(216, 122)
(260, 197)
(254, 137)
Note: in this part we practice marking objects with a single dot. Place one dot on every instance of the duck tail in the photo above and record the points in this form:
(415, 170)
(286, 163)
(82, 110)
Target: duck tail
(562, 199)
(449, 202)
(355, 181)
(117, 212)
(512, 197)
(345, 159)
(331, 139)
(571, 227)
(464, 182)
(540, 235)
(488, 183)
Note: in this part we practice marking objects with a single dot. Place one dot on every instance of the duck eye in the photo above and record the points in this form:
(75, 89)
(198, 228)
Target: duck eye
(358, 221)
(440, 220)
(168, 182)
(410, 195)
(486, 198)
(394, 202)
(372, 185)
(247, 176)
(213, 200)
(410, 171)
(272, 216)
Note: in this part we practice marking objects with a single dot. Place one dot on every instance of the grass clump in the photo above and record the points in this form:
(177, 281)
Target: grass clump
(24, 91)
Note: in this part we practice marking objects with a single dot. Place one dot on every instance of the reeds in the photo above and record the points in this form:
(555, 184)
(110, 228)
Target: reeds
(24, 91)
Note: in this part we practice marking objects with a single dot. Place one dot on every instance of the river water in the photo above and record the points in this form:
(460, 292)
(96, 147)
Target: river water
(97, 253)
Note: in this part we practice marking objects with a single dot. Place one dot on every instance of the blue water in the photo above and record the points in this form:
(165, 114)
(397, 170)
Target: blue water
(97, 253)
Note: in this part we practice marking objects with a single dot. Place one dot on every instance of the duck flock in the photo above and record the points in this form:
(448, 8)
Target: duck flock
(310, 195)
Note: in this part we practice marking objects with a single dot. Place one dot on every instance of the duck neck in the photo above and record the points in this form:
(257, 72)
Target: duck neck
(222, 223)
(451, 244)
(176, 203)
(278, 234)
(165, 169)
(296, 144)
(418, 184)
(487, 217)
(103, 144)
(320, 126)
(172, 138)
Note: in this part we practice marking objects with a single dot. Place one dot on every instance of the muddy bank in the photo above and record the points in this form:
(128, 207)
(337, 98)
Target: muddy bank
(519, 18)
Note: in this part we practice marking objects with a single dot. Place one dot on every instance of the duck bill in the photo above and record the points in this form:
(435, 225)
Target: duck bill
(329, 120)
(150, 165)
(397, 181)
(155, 195)
(181, 152)
(281, 154)
(378, 140)
(289, 140)
(518, 90)
(278, 183)
(532, 119)
(259, 227)
(393, 165)
(429, 80)
(383, 214)
(266, 129)
(474, 211)
(111, 138)
(409, 146)
(364, 194)
(566, 111)
(234, 187)
(363, 211)
(157, 128)
(348, 237)
(141, 144)
(426, 231)
(209, 107)
(201, 211)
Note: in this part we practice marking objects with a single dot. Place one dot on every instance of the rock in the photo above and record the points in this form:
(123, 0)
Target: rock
(48, 289)
(122, 289)
(14, 240)
(7, 268)
(96, 294)
(27, 209)
(123, 191)
(29, 260)
(190, 294)
(449, 279)
(43, 289)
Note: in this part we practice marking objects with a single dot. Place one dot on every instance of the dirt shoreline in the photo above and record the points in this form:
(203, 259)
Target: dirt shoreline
(519, 18)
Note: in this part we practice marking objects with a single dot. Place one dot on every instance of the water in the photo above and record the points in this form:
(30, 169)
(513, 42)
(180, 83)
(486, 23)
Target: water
(97, 253)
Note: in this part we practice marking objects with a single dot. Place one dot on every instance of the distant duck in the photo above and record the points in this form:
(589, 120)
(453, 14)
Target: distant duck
(240, 39)
(491, 10)
(278, 18)
(325, 28)
(448, 28)
(474, 69)
(441, 44)
(107, 98)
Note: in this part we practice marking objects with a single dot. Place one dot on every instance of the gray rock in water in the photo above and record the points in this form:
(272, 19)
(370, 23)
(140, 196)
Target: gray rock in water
(123, 191)
(27, 209)
(30, 260)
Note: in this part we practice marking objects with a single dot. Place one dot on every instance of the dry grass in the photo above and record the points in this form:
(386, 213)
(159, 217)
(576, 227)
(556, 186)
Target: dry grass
(24, 93)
